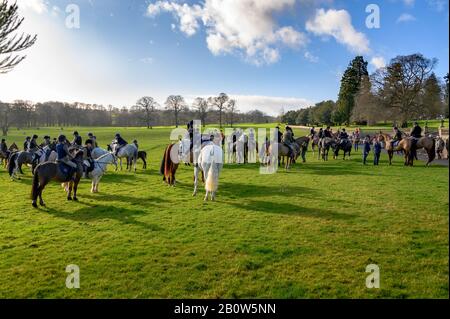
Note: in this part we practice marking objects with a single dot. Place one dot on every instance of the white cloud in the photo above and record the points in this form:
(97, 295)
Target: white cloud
(378, 62)
(310, 57)
(242, 27)
(338, 24)
(270, 105)
(406, 17)
(38, 6)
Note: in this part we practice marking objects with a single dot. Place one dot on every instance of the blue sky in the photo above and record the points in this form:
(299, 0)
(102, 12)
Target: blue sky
(271, 55)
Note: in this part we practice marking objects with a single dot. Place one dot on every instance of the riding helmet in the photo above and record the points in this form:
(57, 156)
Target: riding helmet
(62, 138)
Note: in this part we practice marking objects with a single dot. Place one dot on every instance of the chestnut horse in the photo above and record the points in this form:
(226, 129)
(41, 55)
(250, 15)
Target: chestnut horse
(405, 146)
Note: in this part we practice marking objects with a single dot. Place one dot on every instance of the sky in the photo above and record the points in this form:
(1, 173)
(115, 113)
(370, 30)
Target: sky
(270, 55)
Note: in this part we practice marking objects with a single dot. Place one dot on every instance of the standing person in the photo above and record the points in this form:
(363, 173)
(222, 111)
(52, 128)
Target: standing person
(77, 140)
(366, 149)
(377, 151)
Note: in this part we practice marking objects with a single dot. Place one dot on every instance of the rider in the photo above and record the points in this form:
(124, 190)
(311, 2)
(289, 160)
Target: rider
(280, 134)
(327, 132)
(46, 141)
(63, 152)
(26, 144)
(321, 133)
(120, 143)
(343, 136)
(33, 145)
(288, 140)
(89, 145)
(398, 136)
(77, 140)
(312, 132)
(416, 134)
(93, 139)
(4, 148)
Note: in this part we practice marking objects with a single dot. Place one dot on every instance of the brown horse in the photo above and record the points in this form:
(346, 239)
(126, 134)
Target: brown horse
(168, 167)
(405, 146)
(47, 172)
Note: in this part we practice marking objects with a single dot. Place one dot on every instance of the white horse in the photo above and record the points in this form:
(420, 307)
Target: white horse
(129, 151)
(211, 163)
(100, 166)
(97, 152)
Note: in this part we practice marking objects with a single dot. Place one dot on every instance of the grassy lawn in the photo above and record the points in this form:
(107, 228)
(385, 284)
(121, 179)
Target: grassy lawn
(306, 233)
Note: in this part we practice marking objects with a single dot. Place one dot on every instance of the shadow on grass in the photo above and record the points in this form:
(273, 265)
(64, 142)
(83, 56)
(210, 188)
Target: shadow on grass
(290, 209)
(92, 213)
(146, 202)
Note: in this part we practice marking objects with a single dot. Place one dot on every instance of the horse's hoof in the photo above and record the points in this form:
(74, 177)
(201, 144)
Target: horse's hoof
(34, 205)
(43, 204)
(75, 199)
(69, 198)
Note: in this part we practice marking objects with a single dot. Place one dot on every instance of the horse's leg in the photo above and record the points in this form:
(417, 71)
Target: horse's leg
(75, 188)
(206, 196)
(196, 168)
(69, 192)
(40, 190)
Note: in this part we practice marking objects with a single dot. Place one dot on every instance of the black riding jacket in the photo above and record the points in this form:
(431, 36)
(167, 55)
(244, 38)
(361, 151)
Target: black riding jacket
(77, 141)
(416, 132)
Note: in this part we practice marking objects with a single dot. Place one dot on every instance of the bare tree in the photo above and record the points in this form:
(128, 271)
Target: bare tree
(175, 103)
(147, 106)
(10, 42)
(5, 114)
(401, 82)
(202, 107)
(232, 109)
(220, 103)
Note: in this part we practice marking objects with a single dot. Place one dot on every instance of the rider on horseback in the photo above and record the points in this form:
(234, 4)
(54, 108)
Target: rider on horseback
(398, 136)
(327, 132)
(89, 145)
(288, 140)
(312, 132)
(77, 140)
(93, 139)
(33, 145)
(26, 144)
(64, 155)
(120, 143)
(416, 135)
(343, 137)
(4, 148)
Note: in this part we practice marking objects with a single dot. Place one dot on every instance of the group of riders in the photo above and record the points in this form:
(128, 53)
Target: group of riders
(63, 148)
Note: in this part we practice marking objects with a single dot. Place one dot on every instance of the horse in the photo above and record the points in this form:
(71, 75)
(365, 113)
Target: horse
(325, 144)
(129, 151)
(405, 146)
(41, 156)
(315, 143)
(46, 172)
(210, 163)
(16, 160)
(100, 166)
(142, 155)
(303, 143)
(345, 145)
(4, 157)
(168, 167)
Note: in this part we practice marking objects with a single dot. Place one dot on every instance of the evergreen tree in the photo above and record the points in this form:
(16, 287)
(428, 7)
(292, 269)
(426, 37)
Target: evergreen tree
(350, 84)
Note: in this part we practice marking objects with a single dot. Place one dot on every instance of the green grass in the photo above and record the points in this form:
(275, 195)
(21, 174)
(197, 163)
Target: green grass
(308, 233)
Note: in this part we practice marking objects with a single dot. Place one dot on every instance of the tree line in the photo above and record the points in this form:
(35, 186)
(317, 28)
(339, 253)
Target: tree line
(406, 89)
(146, 112)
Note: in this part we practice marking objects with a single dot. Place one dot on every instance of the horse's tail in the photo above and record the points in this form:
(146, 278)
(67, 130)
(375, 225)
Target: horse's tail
(12, 163)
(211, 180)
(35, 185)
(163, 162)
(432, 153)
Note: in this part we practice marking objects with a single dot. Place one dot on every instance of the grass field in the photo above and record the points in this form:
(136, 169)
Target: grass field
(307, 233)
